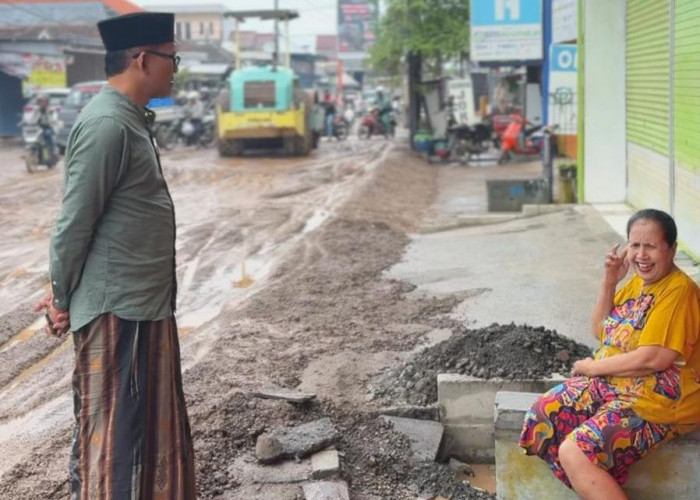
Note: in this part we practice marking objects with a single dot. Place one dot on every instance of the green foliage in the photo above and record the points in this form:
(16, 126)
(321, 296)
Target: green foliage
(438, 29)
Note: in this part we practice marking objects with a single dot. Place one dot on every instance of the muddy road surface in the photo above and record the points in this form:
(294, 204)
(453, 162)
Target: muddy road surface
(280, 268)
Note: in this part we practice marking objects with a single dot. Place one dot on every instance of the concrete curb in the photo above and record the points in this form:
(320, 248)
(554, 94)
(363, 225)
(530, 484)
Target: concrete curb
(528, 210)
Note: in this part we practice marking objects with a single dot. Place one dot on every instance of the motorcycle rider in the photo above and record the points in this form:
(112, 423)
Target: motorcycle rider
(44, 119)
(194, 110)
(385, 110)
(329, 106)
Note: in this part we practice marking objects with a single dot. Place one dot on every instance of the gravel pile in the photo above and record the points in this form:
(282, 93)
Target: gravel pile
(497, 351)
(378, 461)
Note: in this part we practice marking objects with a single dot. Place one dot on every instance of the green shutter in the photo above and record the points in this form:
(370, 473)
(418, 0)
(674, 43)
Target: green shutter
(648, 74)
(687, 85)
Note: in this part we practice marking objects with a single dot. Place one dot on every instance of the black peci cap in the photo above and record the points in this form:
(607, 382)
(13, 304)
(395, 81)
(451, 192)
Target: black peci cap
(137, 30)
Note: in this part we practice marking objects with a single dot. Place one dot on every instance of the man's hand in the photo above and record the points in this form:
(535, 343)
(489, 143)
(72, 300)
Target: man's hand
(57, 320)
(616, 266)
(583, 367)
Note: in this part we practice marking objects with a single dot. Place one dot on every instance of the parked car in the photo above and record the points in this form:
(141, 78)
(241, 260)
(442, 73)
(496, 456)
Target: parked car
(79, 96)
(57, 97)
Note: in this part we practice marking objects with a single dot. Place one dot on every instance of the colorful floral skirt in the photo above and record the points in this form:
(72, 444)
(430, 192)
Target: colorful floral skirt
(589, 412)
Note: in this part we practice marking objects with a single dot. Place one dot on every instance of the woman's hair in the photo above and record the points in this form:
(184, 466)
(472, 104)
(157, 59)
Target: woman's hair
(661, 218)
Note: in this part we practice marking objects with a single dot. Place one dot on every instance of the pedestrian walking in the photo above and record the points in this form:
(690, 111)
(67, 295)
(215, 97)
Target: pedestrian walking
(113, 279)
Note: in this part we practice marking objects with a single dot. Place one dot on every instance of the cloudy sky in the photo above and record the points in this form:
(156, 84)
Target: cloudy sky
(316, 17)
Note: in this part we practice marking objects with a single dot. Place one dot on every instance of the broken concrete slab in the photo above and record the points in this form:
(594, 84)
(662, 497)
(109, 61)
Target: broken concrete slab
(326, 490)
(429, 412)
(325, 464)
(246, 470)
(293, 442)
(280, 393)
(256, 492)
(425, 435)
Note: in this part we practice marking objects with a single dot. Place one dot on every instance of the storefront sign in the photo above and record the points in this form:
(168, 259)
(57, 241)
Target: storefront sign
(564, 20)
(461, 93)
(506, 30)
(356, 20)
(563, 84)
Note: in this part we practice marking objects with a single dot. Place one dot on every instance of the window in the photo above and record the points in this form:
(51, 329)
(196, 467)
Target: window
(259, 94)
(211, 28)
(188, 33)
(178, 29)
(201, 29)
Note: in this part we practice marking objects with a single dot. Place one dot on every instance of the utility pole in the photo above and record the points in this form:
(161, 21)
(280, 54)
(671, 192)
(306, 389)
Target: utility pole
(277, 37)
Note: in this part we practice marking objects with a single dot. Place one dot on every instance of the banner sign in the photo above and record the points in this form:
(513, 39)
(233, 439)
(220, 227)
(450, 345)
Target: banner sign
(506, 30)
(564, 20)
(563, 85)
(356, 20)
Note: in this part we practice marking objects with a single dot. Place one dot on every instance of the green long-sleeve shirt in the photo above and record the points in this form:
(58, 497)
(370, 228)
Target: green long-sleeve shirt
(113, 247)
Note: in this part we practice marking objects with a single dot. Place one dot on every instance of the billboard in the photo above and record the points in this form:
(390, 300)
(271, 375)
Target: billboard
(506, 30)
(356, 20)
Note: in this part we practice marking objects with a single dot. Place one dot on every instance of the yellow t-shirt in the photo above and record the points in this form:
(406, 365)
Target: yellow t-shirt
(666, 314)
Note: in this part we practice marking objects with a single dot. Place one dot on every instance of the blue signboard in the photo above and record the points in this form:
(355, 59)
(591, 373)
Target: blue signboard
(506, 30)
(564, 58)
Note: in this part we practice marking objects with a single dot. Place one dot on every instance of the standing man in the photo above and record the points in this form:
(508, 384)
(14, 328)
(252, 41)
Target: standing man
(113, 280)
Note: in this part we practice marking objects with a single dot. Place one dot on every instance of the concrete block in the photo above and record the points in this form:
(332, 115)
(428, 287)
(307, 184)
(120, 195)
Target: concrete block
(467, 412)
(672, 471)
(325, 464)
(470, 400)
(425, 436)
(326, 490)
(472, 443)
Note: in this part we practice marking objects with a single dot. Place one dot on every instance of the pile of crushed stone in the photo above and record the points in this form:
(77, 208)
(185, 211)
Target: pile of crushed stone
(497, 351)
(378, 460)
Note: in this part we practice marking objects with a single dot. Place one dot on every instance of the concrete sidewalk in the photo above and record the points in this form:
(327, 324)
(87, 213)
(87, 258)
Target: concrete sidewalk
(542, 270)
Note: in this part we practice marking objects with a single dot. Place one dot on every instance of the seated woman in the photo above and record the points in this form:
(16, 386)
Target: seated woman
(641, 387)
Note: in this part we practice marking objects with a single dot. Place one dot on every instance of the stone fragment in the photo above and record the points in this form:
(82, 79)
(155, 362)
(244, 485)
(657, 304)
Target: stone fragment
(325, 464)
(326, 490)
(280, 393)
(295, 442)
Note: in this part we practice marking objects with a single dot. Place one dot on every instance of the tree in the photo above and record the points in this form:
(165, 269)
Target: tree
(437, 29)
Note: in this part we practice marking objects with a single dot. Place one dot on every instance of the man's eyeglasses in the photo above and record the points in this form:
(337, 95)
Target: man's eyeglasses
(173, 57)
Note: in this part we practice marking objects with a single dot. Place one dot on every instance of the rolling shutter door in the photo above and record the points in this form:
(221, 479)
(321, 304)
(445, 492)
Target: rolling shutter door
(648, 89)
(687, 122)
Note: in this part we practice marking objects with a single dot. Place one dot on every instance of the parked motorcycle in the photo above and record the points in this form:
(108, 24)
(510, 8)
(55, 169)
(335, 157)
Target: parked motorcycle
(519, 142)
(182, 129)
(464, 141)
(371, 124)
(36, 148)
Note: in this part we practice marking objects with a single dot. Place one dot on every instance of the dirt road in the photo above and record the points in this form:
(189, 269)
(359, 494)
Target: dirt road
(280, 266)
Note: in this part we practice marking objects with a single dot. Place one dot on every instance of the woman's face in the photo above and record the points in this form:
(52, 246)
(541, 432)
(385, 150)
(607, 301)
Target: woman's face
(649, 254)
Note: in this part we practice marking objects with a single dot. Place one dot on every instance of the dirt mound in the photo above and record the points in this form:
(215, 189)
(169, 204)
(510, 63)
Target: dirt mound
(497, 351)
